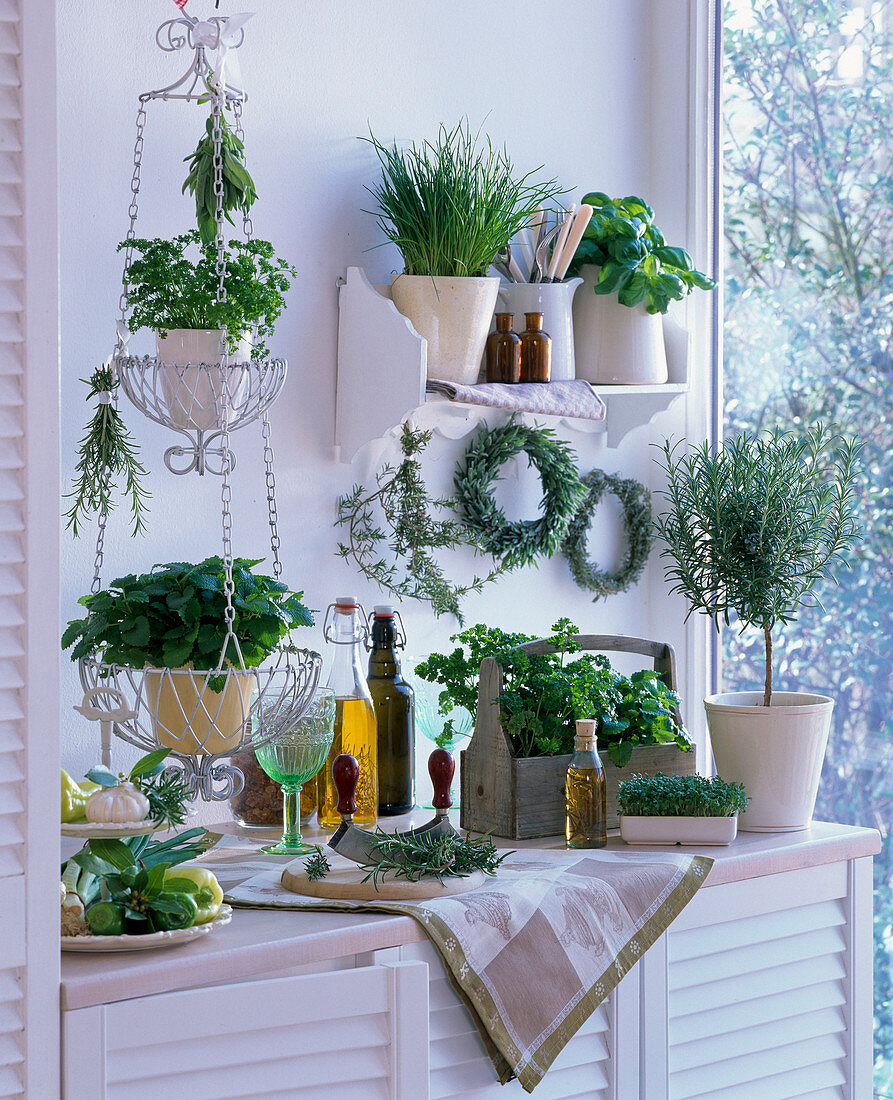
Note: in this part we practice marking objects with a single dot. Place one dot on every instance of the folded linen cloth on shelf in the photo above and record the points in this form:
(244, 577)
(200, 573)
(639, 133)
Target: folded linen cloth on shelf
(535, 950)
(575, 398)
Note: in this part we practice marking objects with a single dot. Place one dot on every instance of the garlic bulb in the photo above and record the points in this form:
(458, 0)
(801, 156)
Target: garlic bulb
(119, 804)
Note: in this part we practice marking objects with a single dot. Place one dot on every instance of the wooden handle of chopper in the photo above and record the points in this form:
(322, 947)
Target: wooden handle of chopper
(441, 768)
(346, 775)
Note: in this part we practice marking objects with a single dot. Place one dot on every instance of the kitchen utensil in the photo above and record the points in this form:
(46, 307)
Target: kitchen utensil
(566, 223)
(581, 220)
(539, 263)
(359, 844)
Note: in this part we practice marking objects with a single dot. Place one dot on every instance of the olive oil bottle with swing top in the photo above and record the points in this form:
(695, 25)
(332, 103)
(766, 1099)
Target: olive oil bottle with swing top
(585, 793)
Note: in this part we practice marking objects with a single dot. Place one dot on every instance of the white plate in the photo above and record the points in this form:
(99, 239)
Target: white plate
(86, 829)
(145, 943)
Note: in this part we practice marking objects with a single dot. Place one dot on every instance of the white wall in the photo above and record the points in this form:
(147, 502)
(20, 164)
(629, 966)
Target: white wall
(572, 84)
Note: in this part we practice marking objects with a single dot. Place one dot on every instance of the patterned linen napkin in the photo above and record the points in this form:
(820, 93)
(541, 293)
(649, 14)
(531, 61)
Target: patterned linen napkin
(534, 951)
(575, 398)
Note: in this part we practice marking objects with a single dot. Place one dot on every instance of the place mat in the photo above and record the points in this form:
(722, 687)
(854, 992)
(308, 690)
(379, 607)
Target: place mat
(534, 951)
(575, 398)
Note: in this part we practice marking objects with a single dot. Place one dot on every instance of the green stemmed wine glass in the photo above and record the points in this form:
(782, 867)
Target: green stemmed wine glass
(295, 753)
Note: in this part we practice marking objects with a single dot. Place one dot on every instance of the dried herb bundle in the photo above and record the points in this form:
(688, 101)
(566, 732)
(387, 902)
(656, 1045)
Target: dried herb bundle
(412, 533)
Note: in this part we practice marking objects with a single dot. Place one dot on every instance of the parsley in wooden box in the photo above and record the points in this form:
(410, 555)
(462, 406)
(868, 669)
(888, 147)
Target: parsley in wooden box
(528, 694)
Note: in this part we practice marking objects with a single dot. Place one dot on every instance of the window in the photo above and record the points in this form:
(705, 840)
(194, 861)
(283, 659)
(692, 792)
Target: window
(808, 88)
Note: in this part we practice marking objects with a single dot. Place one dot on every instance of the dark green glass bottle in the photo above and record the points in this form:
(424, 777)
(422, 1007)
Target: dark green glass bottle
(393, 702)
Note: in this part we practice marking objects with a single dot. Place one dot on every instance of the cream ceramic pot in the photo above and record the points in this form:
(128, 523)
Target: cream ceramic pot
(776, 752)
(191, 718)
(616, 344)
(190, 376)
(453, 314)
(553, 301)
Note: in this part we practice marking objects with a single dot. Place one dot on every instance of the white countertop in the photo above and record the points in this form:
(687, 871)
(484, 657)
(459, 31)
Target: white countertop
(265, 942)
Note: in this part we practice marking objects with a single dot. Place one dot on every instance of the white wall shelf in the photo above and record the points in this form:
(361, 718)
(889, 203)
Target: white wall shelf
(381, 377)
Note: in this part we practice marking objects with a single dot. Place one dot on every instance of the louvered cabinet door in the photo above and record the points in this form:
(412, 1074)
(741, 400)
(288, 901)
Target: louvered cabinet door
(461, 1067)
(350, 1033)
(769, 988)
(29, 565)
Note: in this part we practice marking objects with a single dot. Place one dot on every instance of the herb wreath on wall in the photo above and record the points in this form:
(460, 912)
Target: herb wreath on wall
(520, 543)
(636, 502)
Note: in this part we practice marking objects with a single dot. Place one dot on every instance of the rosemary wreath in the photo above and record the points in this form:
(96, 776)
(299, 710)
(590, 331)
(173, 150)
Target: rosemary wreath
(523, 542)
(636, 502)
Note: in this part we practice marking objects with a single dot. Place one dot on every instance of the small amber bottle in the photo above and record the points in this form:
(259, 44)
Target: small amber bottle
(584, 790)
(536, 350)
(504, 351)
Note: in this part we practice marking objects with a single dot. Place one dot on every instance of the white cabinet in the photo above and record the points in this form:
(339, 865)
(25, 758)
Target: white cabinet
(303, 1037)
(760, 990)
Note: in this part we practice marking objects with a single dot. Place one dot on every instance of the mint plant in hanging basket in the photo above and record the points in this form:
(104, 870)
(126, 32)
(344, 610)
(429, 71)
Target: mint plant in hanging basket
(171, 622)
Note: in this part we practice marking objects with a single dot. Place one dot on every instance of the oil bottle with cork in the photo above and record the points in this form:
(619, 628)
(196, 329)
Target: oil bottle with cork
(393, 704)
(585, 791)
(355, 732)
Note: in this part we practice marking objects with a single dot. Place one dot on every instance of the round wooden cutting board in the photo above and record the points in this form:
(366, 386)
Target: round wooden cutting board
(345, 883)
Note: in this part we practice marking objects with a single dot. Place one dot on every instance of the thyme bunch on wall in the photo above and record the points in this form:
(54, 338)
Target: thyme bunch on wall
(399, 557)
(106, 453)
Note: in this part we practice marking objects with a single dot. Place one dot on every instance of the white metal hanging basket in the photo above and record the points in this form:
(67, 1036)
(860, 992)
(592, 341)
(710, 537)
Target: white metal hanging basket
(204, 716)
(190, 398)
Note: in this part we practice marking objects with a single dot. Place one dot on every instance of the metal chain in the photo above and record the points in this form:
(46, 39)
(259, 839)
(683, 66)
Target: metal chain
(133, 209)
(226, 492)
(247, 224)
(271, 496)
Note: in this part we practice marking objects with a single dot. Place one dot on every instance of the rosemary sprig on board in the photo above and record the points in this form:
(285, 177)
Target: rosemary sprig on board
(415, 856)
(106, 452)
(412, 535)
(317, 866)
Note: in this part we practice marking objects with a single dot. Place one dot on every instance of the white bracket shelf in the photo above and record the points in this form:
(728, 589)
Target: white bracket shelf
(382, 366)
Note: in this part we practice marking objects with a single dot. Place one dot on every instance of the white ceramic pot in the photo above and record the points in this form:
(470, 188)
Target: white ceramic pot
(776, 752)
(615, 344)
(191, 718)
(192, 392)
(554, 301)
(678, 830)
(453, 314)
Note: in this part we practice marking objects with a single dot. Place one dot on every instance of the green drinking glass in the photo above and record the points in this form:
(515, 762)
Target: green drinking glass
(294, 754)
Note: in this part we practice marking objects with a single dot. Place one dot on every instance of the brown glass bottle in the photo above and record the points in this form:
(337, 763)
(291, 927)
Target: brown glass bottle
(504, 351)
(393, 703)
(536, 350)
(585, 793)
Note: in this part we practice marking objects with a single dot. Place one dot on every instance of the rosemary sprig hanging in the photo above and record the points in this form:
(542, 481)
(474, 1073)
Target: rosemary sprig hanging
(106, 452)
(412, 535)
(415, 856)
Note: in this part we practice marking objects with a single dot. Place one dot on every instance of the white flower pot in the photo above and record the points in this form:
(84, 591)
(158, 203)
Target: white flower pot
(776, 752)
(453, 314)
(616, 344)
(192, 392)
(678, 830)
(191, 718)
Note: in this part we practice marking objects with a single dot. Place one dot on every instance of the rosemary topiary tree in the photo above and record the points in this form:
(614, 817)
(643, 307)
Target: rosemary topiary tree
(755, 523)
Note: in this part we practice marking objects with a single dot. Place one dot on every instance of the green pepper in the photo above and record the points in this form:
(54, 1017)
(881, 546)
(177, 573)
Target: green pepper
(105, 918)
(172, 910)
(74, 798)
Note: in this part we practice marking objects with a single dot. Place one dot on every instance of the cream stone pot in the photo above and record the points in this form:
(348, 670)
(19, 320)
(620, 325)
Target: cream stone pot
(190, 717)
(616, 344)
(453, 314)
(193, 392)
(776, 752)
